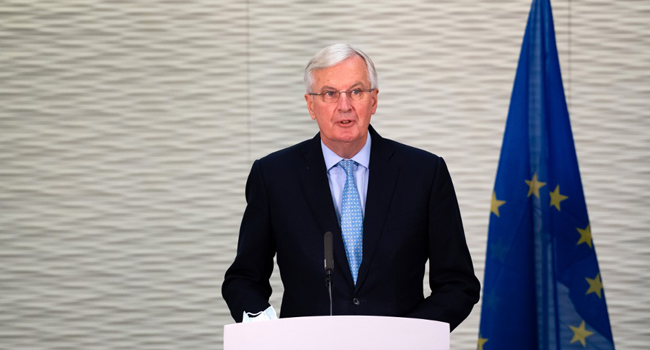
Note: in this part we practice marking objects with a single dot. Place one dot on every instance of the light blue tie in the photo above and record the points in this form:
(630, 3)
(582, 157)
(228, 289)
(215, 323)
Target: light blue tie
(351, 218)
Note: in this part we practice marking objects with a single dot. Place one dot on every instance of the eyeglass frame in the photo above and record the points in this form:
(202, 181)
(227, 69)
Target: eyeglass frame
(347, 93)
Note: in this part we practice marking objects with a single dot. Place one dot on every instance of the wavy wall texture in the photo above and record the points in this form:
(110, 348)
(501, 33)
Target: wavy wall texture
(127, 130)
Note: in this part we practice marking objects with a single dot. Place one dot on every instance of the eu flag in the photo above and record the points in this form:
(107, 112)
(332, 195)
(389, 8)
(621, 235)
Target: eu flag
(542, 288)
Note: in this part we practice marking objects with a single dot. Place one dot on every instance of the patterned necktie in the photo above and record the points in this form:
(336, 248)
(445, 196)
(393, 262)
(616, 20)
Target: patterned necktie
(351, 218)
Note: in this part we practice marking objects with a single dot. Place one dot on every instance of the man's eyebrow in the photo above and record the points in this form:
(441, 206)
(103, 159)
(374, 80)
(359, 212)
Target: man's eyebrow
(327, 87)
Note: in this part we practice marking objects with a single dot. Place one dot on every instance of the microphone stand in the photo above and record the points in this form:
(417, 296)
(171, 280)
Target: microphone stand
(328, 282)
(329, 264)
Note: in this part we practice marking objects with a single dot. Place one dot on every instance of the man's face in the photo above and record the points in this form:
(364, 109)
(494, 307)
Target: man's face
(343, 124)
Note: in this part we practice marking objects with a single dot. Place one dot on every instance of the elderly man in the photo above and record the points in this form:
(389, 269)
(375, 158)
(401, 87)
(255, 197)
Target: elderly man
(389, 206)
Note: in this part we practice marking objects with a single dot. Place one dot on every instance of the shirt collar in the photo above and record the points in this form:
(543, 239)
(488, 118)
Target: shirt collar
(362, 157)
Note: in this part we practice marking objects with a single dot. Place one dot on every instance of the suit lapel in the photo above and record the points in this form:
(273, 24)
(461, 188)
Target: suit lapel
(381, 184)
(317, 191)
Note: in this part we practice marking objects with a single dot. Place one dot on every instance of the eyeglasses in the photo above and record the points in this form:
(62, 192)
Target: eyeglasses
(331, 96)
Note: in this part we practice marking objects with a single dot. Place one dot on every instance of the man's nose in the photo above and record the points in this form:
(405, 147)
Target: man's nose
(344, 102)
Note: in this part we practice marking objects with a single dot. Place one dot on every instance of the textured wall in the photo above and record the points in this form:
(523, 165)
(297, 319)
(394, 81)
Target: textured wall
(127, 130)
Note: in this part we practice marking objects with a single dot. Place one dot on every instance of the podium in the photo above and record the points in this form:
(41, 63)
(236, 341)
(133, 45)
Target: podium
(338, 332)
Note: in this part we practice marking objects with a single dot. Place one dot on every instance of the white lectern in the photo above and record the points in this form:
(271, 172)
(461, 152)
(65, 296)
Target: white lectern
(339, 333)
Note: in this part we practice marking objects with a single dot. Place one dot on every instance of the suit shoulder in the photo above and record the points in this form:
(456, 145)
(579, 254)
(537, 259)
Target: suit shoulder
(413, 155)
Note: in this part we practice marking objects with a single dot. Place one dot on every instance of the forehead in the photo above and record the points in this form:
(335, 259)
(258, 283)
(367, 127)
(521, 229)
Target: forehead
(348, 72)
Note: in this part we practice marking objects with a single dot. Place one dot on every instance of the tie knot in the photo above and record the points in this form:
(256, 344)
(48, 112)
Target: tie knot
(347, 165)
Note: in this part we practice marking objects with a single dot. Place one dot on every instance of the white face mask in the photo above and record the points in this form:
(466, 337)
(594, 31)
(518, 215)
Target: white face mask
(268, 314)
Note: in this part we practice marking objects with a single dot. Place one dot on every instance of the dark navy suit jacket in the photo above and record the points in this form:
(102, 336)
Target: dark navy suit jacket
(411, 216)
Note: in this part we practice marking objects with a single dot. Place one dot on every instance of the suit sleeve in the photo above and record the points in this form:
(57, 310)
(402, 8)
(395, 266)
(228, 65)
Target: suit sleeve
(454, 287)
(246, 284)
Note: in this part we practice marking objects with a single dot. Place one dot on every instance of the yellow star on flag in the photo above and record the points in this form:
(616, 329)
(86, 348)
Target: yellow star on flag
(580, 334)
(585, 236)
(495, 204)
(534, 185)
(481, 341)
(556, 197)
(595, 286)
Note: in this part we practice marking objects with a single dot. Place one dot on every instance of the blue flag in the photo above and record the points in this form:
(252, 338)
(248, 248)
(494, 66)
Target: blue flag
(542, 289)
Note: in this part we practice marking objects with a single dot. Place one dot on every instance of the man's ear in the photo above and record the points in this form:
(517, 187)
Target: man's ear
(310, 106)
(374, 94)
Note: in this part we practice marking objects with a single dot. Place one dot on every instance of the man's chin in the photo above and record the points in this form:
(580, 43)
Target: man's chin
(348, 138)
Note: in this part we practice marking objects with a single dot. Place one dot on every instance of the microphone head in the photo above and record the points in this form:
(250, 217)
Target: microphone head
(329, 251)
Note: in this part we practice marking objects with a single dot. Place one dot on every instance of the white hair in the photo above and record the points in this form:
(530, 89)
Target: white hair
(332, 55)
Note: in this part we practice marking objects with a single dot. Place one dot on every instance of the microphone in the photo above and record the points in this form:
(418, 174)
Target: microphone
(329, 263)
(329, 256)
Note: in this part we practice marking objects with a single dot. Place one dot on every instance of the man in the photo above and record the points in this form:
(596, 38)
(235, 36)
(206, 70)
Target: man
(389, 206)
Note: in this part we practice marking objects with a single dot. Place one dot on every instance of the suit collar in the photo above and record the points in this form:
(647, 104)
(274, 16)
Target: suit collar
(316, 186)
(362, 157)
(383, 176)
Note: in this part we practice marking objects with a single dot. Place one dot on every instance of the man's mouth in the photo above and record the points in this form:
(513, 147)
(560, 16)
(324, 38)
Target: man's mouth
(345, 122)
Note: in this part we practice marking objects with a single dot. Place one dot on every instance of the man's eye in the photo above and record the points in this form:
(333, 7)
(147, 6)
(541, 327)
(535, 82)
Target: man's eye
(329, 93)
(355, 91)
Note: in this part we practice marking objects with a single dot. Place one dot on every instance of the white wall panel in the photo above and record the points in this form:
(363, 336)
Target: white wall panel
(127, 130)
